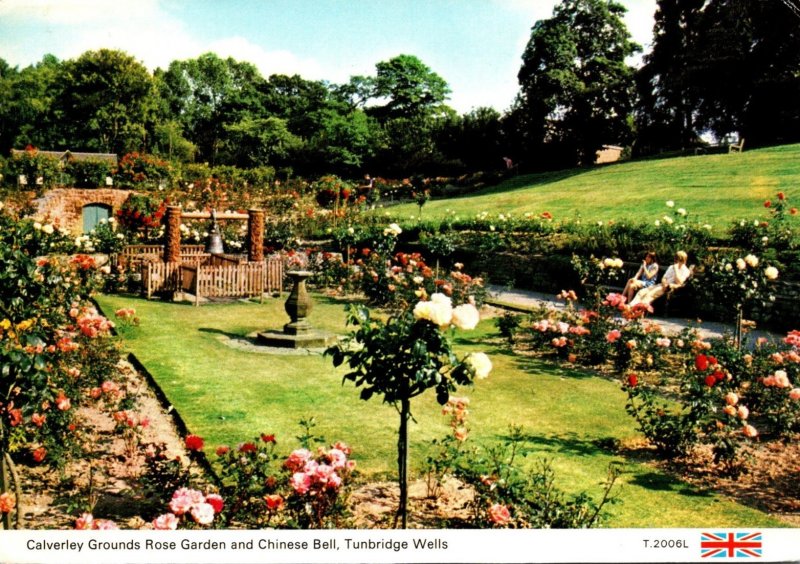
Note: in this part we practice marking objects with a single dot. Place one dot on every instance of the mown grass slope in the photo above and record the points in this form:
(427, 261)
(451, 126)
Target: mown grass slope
(714, 189)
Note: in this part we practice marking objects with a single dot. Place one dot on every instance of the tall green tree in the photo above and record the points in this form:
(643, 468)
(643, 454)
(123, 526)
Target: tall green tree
(746, 71)
(408, 100)
(207, 94)
(411, 89)
(105, 102)
(665, 117)
(27, 112)
(576, 88)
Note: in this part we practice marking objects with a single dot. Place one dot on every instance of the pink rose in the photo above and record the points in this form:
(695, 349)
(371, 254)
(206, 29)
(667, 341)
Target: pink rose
(337, 458)
(203, 513)
(165, 522)
(499, 514)
(85, 522)
(613, 335)
(184, 499)
(750, 431)
(105, 525)
(731, 398)
(743, 412)
(300, 482)
(795, 394)
(297, 459)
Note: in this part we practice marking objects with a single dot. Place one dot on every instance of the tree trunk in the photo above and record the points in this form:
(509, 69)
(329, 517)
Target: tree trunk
(402, 462)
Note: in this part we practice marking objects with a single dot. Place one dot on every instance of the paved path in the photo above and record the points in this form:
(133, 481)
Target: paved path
(524, 299)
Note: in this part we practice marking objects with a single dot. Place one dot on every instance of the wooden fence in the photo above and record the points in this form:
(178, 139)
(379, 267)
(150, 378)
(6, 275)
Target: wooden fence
(230, 279)
(133, 254)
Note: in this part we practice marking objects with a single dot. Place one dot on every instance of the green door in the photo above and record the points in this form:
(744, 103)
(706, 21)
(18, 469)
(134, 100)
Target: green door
(92, 214)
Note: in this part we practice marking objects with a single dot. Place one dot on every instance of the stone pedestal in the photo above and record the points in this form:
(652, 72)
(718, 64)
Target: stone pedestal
(298, 333)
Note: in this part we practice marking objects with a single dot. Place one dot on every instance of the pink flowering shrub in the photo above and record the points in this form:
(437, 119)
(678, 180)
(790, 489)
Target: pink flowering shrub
(190, 508)
(305, 489)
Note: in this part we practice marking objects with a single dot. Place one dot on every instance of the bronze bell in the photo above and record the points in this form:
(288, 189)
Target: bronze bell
(214, 244)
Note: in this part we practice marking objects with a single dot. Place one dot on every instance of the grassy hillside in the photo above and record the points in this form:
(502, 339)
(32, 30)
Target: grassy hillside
(714, 189)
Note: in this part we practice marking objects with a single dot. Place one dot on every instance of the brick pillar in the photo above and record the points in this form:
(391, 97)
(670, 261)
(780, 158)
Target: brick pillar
(255, 235)
(172, 232)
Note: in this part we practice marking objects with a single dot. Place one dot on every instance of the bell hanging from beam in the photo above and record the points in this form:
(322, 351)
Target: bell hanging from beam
(214, 243)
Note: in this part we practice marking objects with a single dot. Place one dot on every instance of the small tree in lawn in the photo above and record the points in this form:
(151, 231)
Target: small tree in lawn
(405, 356)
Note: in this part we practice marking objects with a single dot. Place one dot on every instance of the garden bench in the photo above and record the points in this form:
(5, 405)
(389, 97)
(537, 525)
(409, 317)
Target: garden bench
(736, 147)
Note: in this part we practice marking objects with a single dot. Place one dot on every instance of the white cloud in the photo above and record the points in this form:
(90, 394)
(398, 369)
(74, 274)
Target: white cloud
(267, 62)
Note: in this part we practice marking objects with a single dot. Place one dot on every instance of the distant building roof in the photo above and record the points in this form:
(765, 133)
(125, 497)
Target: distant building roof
(67, 155)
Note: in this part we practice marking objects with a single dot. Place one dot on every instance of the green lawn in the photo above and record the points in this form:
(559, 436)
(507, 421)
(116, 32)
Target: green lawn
(715, 189)
(228, 396)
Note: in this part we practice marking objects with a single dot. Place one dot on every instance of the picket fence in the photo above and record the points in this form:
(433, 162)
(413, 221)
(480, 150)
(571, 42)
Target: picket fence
(227, 278)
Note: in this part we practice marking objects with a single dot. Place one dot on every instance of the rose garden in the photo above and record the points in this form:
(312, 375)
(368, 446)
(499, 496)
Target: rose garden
(434, 405)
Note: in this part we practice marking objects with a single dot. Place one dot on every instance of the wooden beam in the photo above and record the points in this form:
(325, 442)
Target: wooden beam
(220, 216)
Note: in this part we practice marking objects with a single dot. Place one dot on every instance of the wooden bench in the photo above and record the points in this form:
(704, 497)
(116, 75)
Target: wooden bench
(736, 147)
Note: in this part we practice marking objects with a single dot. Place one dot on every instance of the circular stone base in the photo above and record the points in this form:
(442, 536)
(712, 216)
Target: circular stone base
(308, 340)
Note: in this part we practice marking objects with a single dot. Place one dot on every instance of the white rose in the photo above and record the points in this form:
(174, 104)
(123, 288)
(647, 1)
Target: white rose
(771, 272)
(670, 204)
(48, 228)
(740, 264)
(393, 229)
(681, 211)
(667, 219)
(37, 226)
(480, 363)
(438, 310)
(466, 317)
(751, 260)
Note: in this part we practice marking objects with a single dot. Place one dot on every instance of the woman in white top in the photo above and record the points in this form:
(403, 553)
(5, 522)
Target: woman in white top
(675, 277)
(644, 278)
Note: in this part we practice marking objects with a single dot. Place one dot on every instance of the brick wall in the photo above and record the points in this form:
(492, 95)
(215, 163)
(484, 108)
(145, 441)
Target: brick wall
(64, 206)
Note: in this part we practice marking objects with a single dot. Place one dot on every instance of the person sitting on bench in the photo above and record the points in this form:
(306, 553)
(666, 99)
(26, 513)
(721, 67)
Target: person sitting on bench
(675, 277)
(646, 276)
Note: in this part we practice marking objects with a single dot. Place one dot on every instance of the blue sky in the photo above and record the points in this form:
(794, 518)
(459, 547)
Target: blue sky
(475, 45)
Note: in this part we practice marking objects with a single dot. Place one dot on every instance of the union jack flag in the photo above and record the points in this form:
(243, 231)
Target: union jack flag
(730, 545)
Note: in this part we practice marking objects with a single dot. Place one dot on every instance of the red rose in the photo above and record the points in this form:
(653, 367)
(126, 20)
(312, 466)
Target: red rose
(215, 501)
(633, 380)
(712, 360)
(193, 442)
(793, 211)
(268, 438)
(701, 362)
(221, 450)
(39, 454)
(781, 196)
(274, 502)
(719, 375)
(767, 204)
(247, 447)
(710, 381)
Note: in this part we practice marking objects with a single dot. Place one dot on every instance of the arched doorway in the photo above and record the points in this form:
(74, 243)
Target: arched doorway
(93, 214)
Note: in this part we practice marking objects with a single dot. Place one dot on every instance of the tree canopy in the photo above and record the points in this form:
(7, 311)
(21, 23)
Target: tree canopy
(576, 88)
